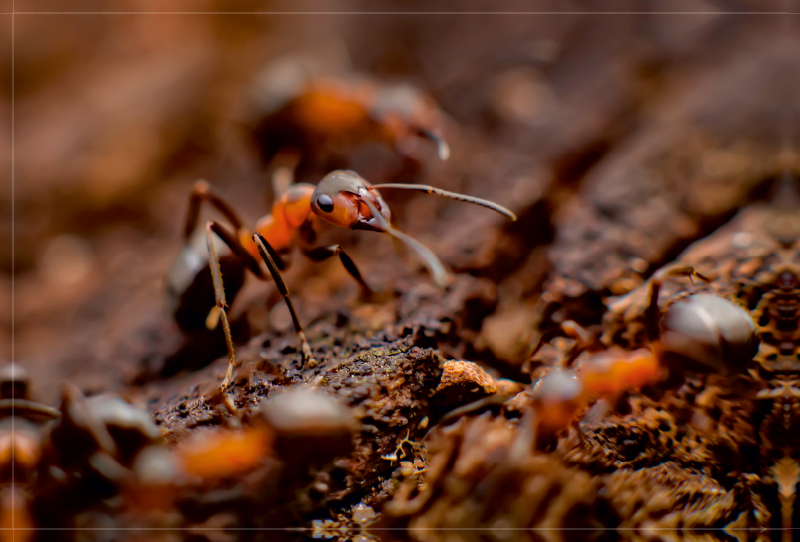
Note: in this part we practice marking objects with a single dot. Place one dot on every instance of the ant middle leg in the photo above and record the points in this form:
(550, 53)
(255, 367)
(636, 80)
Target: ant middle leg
(216, 229)
(321, 254)
(267, 252)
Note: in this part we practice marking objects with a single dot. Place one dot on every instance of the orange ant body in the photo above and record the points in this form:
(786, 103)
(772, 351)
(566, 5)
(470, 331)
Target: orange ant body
(321, 117)
(607, 375)
(700, 334)
(342, 198)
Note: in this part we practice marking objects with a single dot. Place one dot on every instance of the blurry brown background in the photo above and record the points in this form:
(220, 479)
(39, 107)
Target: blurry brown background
(117, 115)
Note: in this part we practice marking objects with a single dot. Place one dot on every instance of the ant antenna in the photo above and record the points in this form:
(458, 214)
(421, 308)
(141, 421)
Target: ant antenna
(452, 195)
(430, 260)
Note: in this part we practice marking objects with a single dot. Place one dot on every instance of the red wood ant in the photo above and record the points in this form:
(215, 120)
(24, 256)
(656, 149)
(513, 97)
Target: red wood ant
(317, 115)
(702, 333)
(342, 198)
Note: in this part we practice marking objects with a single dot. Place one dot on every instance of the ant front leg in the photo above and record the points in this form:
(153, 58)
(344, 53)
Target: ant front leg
(652, 313)
(323, 253)
(268, 254)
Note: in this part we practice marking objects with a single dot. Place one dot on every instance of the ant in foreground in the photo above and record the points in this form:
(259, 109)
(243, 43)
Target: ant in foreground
(703, 333)
(342, 198)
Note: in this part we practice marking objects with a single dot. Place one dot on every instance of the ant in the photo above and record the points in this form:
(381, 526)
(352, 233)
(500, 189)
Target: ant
(20, 421)
(298, 108)
(342, 198)
(703, 333)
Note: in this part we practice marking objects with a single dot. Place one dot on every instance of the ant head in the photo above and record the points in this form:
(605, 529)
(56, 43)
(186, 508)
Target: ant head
(712, 331)
(343, 198)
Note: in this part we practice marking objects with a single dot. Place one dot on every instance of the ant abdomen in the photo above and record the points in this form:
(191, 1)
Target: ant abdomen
(706, 333)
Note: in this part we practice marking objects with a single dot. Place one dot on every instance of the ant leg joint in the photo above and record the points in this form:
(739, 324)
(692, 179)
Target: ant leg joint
(309, 361)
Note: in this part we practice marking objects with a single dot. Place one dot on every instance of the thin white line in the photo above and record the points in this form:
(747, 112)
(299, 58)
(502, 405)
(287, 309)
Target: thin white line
(404, 13)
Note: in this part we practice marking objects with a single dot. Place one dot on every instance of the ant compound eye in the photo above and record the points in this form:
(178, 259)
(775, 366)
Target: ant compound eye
(325, 203)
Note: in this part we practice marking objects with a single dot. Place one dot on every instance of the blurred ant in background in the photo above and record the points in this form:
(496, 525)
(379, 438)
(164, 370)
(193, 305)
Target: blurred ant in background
(298, 109)
(700, 334)
(21, 422)
(306, 120)
(342, 198)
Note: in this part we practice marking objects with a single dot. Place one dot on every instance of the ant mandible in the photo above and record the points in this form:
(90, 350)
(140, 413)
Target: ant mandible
(342, 198)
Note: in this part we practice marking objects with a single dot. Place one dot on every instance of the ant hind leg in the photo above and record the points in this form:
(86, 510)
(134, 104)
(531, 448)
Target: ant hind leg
(219, 295)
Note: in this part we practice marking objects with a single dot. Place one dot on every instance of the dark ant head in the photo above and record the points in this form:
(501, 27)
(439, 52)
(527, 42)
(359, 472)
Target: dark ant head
(711, 331)
(345, 199)
(342, 198)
